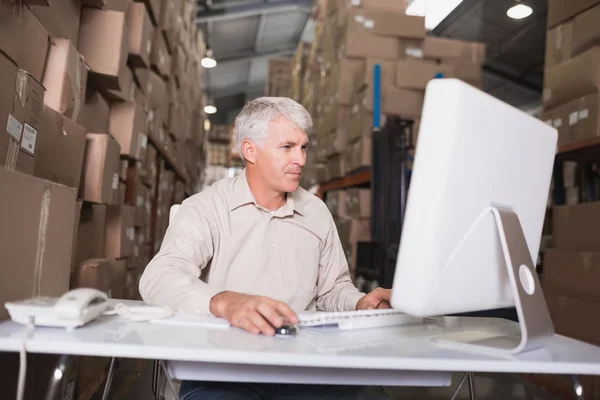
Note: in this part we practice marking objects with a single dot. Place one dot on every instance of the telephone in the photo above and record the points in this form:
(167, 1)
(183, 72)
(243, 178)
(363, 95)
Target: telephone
(73, 309)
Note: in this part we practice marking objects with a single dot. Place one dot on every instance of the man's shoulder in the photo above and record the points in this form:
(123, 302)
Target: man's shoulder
(218, 193)
(312, 205)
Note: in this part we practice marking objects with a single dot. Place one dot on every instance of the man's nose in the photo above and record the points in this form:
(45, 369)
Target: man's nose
(300, 157)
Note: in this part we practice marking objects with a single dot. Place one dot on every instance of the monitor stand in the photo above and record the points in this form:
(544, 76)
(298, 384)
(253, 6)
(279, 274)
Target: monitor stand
(534, 318)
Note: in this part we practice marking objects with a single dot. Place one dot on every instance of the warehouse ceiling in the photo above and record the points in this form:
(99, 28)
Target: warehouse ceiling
(514, 70)
(243, 34)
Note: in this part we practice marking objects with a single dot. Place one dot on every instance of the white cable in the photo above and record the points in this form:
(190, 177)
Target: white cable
(140, 313)
(23, 359)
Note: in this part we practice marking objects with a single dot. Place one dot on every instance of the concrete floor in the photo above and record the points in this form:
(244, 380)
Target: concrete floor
(132, 381)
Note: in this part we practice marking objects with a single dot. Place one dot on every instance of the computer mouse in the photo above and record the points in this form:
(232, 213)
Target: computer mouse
(286, 330)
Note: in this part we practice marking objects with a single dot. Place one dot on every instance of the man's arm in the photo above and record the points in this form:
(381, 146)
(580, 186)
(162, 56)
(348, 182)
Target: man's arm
(172, 277)
(335, 291)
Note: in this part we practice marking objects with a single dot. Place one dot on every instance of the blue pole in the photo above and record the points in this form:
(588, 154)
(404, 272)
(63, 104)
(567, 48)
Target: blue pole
(377, 97)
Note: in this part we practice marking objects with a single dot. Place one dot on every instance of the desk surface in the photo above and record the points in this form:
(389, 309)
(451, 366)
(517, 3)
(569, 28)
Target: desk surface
(407, 348)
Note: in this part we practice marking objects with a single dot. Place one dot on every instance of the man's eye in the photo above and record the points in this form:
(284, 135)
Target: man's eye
(287, 147)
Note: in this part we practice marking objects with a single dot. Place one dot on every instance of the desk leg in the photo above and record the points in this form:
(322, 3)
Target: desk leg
(471, 385)
(109, 378)
(169, 380)
(577, 387)
(468, 376)
(57, 376)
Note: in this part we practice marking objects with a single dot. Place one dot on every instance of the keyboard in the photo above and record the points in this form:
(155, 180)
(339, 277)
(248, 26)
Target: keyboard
(361, 319)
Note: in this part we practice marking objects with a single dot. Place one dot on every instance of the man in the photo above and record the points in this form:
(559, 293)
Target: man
(257, 249)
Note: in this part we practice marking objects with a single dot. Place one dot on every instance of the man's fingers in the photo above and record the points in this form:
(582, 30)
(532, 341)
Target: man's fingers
(287, 312)
(248, 326)
(384, 294)
(384, 304)
(261, 323)
(270, 314)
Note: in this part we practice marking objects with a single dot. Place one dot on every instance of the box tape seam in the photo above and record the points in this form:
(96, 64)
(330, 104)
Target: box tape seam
(42, 233)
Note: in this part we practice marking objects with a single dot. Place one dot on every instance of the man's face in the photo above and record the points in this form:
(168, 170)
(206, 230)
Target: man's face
(282, 155)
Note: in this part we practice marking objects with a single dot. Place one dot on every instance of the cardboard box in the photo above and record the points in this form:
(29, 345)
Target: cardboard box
(360, 123)
(398, 6)
(94, 273)
(128, 127)
(140, 205)
(363, 43)
(586, 30)
(559, 44)
(395, 24)
(572, 317)
(96, 112)
(572, 274)
(359, 155)
(123, 169)
(558, 117)
(38, 219)
(118, 268)
(364, 76)
(415, 74)
(179, 61)
(23, 38)
(348, 69)
(104, 42)
(94, 3)
(60, 150)
(120, 233)
(576, 120)
(100, 182)
(141, 33)
(150, 167)
(156, 93)
(153, 8)
(358, 203)
(127, 90)
(571, 79)
(117, 5)
(61, 18)
(91, 232)
(336, 203)
(404, 103)
(160, 60)
(65, 80)
(577, 227)
(336, 167)
(562, 385)
(560, 11)
(21, 102)
(468, 72)
(452, 50)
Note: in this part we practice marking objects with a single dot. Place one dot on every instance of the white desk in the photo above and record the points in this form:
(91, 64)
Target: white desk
(390, 356)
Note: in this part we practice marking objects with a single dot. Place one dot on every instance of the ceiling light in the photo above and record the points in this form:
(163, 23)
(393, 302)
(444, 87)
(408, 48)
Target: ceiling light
(519, 11)
(210, 109)
(208, 61)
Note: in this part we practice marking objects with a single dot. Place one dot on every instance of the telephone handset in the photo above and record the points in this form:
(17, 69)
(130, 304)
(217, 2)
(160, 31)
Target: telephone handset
(73, 309)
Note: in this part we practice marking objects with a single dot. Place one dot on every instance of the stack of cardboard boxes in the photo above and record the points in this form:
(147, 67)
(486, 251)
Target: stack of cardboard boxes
(82, 89)
(350, 40)
(570, 100)
(571, 79)
(219, 150)
(279, 79)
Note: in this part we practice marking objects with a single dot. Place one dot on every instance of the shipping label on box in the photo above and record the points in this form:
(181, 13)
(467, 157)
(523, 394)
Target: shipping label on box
(20, 116)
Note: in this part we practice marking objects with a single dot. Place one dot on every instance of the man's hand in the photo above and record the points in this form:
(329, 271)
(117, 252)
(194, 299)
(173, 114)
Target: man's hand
(378, 298)
(255, 314)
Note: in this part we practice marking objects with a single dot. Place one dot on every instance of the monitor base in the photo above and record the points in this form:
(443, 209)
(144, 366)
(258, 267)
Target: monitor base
(534, 318)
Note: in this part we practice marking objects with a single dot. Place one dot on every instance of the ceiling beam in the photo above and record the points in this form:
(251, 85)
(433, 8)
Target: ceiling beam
(254, 9)
(510, 80)
(238, 88)
(252, 55)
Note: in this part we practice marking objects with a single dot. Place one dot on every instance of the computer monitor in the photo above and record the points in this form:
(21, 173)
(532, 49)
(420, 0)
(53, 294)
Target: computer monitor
(478, 194)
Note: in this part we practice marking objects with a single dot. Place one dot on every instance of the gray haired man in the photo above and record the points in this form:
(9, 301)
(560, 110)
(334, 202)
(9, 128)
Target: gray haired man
(257, 249)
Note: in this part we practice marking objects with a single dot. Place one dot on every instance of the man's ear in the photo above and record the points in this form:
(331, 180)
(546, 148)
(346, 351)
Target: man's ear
(249, 150)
